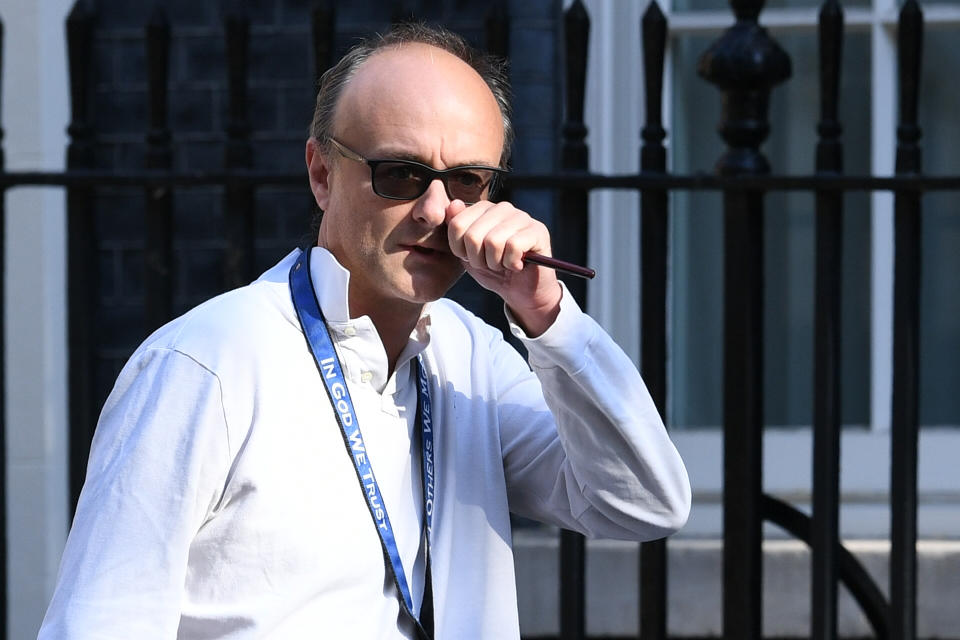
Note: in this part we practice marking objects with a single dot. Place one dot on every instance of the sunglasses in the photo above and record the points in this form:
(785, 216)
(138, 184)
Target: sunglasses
(408, 180)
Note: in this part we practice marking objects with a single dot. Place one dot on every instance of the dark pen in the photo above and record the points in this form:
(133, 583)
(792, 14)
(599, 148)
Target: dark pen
(560, 265)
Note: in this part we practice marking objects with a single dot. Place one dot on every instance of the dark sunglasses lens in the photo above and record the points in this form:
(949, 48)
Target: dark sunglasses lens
(470, 185)
(400, 180)
(408, 181)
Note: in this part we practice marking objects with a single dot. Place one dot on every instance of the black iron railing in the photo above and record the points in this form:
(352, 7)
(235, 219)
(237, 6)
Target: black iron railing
(746, 64)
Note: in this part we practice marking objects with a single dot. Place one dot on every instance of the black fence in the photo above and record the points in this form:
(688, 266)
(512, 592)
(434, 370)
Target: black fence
(745, 64)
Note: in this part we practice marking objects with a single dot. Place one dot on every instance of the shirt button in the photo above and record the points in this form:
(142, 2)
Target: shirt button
(366, 376)
(349, 332)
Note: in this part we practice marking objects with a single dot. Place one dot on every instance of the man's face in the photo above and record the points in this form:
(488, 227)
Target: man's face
(414, 102)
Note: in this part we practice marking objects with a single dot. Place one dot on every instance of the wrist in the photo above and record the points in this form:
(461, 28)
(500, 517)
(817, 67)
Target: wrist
(539, 316)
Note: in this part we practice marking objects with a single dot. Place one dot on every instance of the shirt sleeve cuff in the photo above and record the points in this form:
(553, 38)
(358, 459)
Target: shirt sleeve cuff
(564, 343)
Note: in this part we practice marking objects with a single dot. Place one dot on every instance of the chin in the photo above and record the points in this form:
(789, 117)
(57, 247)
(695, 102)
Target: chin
(434, 289)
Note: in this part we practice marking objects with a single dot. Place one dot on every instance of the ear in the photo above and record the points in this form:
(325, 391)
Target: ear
(319, 172)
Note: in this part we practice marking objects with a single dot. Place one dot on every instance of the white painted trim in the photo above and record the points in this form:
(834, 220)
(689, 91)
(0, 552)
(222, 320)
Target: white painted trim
(35, 115)
(784, 18)
(937, 15)
(613, 114)
(774, 18)
(883, 144)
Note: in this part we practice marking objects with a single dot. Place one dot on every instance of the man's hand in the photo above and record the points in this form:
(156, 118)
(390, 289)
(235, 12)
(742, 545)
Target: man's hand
(491, 239)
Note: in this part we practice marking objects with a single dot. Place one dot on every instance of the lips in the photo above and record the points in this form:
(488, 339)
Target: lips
(428, 249)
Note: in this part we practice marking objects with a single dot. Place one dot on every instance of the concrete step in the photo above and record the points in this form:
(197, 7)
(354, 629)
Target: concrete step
(694, 587)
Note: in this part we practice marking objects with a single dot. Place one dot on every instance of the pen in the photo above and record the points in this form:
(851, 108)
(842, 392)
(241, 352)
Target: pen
(559, 265)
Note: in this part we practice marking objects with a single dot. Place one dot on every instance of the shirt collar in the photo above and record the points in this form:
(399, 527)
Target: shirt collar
(331, 282)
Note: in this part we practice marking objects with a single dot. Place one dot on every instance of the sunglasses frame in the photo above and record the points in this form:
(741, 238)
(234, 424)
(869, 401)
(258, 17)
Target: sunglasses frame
(433, 174)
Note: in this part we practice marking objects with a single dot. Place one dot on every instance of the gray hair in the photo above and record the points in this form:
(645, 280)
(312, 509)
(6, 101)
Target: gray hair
(490, 68)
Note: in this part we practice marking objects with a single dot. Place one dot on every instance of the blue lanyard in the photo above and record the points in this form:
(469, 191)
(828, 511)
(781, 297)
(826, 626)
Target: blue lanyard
(328, 364)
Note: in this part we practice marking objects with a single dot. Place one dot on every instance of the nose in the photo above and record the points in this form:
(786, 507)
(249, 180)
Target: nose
(431, 207)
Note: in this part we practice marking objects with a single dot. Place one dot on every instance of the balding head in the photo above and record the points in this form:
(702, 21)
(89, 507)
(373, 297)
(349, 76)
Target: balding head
(421, 102)
(333, 83)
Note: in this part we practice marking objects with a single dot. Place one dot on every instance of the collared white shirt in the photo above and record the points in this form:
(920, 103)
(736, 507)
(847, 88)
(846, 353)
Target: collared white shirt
(220, 501)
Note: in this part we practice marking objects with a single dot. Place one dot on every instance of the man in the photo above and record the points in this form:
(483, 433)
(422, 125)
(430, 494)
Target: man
(251, 478)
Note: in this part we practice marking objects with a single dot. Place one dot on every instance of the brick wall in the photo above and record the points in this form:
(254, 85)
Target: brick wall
(281, 92)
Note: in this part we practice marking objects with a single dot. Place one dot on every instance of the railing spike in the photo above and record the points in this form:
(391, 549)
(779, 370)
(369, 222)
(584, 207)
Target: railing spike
(84, 289)
(402, 11)
(4, 545)
(653, 300)
(1, 103)
(909, 46)
(238, 199)
(907, 264)
(827, 399)
(322, 20)
(496, 29)
(158, 64)
(79, 49)
(570, 234)
(654, 31)
(158, 239)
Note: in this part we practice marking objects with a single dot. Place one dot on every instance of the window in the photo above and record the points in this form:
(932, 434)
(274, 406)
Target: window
(868, 113)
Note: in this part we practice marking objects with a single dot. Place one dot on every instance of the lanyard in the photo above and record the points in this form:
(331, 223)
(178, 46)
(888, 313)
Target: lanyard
(328, 364)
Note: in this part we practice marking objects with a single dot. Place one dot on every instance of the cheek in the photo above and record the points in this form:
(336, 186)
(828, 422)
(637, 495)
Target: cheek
(368, 222)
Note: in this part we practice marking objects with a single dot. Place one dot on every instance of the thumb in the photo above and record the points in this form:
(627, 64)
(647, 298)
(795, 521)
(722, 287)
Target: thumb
(454, 209)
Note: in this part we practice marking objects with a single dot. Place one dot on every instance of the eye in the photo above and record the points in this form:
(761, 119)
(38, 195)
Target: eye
(400, 171)
(470, 179)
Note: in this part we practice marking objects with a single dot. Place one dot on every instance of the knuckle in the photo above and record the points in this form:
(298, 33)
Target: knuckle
(473, 242)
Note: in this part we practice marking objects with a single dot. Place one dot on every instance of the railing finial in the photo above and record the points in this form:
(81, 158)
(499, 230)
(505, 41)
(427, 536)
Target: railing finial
(829, 148)
(79, 48)
(2, 162)
(745, 63)
(576, 24)
(910, 47)
(238, 154)
(654, 30)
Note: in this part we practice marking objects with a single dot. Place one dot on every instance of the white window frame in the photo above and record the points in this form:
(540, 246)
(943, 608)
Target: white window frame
(36, 105)
(614, 110)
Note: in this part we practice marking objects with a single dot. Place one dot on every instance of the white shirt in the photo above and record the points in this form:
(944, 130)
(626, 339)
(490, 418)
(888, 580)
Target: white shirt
(220, 500)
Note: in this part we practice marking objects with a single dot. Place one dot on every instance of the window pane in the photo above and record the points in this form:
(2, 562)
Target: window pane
(696, 250)
(940, 284)
(696, 366)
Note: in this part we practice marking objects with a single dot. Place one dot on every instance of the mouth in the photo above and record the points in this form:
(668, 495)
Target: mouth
(427, 251)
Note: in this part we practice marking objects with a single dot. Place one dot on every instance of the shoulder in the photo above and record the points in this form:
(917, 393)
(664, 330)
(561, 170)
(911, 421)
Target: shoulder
(238, 326)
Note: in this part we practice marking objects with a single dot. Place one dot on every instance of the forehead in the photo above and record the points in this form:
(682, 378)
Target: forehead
(419, 94)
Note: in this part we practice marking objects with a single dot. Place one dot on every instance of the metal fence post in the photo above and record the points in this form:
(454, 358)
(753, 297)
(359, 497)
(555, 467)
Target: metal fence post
(322, 21)
(4, 546)
(653, 301)
(83, 289)
(158, 246)
(745, 63)
(238, 210)
(906, 338)
(570, 241)
(496, 29)
(827, 328)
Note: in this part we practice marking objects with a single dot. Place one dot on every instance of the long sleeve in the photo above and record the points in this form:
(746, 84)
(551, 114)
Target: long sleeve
(600, 462)
(157, 467)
